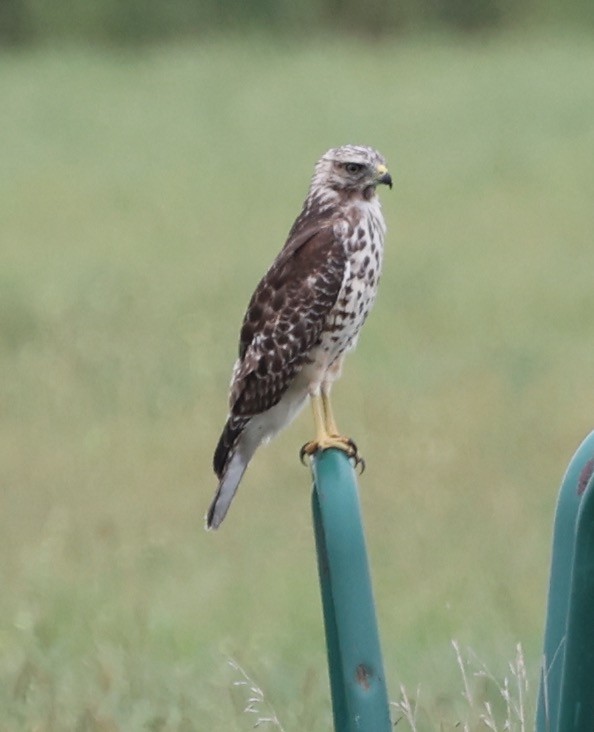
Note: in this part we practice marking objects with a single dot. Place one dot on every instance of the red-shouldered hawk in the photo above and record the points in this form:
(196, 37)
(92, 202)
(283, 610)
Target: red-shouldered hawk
(305, 315)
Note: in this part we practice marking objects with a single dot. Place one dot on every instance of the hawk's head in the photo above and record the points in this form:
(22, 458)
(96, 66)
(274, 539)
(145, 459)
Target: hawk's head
(352, 168)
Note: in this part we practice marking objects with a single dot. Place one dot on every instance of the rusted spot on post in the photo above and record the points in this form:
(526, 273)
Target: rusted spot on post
(585, 476)
(364, 673)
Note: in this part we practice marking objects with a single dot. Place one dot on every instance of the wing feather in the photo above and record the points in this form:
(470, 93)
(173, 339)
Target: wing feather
(285, 318)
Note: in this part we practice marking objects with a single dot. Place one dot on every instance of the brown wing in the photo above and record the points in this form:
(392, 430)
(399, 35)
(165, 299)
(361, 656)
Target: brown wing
(285, 318)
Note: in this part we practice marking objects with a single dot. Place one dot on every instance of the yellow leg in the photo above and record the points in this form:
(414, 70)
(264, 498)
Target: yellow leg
(326, 431)
(329, 415)
(318, 410)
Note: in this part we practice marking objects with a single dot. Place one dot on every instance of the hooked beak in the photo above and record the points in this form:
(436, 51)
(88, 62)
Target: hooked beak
(383, 176)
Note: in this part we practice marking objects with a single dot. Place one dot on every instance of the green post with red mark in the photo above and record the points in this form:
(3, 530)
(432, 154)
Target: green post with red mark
(566, 697)
(357, 681)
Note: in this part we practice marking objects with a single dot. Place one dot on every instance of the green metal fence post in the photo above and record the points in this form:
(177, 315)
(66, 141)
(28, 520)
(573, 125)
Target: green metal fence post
(569, 602)
(576, 710)
(357, 682)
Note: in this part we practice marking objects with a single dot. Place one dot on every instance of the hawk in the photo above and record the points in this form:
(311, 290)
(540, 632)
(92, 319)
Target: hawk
(305, 315)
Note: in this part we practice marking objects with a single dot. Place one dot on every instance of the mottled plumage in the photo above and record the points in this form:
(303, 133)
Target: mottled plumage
(305, 314)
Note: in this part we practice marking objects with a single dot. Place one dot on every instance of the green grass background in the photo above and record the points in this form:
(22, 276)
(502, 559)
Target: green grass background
(142, 195)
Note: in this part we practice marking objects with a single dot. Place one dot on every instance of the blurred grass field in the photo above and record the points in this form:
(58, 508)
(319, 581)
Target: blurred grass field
(142, 195)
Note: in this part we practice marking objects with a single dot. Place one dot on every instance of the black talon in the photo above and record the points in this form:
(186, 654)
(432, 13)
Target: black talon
(359, 461)
(302, 453)
(353, 445)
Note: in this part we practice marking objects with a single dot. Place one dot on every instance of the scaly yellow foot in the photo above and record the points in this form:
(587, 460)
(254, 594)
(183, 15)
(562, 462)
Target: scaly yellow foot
(336, 441)
(327, 435)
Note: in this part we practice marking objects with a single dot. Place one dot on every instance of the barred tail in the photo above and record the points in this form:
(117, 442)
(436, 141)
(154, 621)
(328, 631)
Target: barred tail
(231, 458)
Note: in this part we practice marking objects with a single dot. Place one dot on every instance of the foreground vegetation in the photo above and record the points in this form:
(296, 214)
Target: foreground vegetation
(141, 196)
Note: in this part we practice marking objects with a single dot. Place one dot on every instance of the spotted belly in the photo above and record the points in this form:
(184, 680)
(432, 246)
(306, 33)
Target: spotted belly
(364, 249)
(363, 238)
(346, 319)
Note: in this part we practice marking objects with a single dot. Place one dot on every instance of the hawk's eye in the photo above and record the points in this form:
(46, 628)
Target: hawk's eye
(353, 167)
